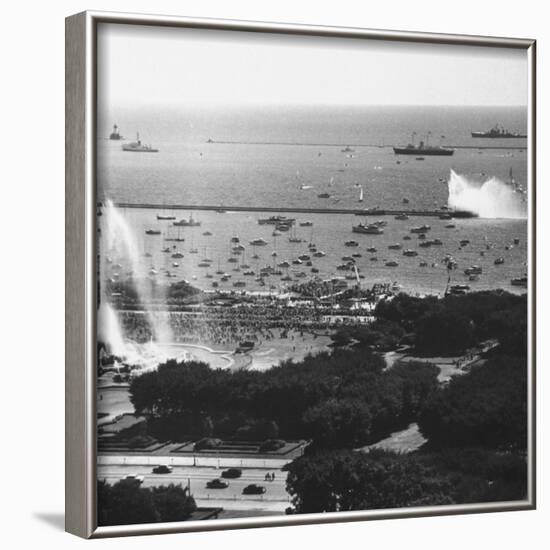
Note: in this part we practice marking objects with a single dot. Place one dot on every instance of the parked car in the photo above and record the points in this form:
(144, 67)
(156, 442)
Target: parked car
(217, 484)
(232, 473)
(162, 469)
(253, 489)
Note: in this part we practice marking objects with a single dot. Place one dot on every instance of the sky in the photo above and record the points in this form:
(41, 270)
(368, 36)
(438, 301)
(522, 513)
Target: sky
(140, 65)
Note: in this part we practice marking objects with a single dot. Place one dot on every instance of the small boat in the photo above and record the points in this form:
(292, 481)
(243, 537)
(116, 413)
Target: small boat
(464, 242)
(373, 259)
(187, 223)
(306, 224)
(177, 255)
(283, 227)
(450, 226)
(402, 217)
(445, 216)
(239, 284)
(324, 196)
(371, 249)
(473, 270)
(391, 263)
(459, 290)
(175, 264)
(420, 229)
(351, 243)
(235, 239)
(423, 264)
(347, 149)
(370, 229)
(519, 281)
(407, 238)
(499, 261)
(319, 254)
(152, 231)
(276, 220)
(207, 234)
(258, 242)
(161, 217)
(395, 246)
(314, 270)
(410, 252)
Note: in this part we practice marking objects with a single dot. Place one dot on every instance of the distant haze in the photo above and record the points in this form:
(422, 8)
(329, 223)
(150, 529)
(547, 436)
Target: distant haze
(140, 65)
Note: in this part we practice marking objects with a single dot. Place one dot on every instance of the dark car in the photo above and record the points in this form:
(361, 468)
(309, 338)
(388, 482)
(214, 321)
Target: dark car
(232, 473)
(217, 484)
(253, 490)
(162, 469)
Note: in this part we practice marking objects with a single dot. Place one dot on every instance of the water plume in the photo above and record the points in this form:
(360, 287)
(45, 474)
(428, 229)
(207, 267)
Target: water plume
(119, 247)
(492, 198)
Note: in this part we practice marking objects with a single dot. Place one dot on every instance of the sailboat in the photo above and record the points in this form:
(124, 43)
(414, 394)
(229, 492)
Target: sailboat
(293, 237)
(361, 195)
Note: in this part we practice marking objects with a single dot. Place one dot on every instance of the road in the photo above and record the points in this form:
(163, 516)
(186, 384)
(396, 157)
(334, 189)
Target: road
(275, 499)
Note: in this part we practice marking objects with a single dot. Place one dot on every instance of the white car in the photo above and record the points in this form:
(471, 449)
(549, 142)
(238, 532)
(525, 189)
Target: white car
(135, 477)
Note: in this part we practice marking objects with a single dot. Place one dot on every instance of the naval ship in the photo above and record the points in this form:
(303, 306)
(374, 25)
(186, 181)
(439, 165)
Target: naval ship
(138, 147)
(498, 132)
(423, 148)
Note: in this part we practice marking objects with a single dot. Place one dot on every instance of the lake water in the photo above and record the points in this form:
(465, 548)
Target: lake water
(288, 156)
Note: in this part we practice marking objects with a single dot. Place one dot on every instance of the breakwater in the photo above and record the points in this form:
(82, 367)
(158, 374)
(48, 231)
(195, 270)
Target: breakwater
(292, 209)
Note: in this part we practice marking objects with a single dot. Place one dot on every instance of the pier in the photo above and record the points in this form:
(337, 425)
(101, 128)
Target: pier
(300, 210)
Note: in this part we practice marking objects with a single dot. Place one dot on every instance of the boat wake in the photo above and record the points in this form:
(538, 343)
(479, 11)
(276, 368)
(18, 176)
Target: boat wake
(492, 198)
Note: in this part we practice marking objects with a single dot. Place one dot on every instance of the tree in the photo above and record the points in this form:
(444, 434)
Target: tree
(486, 407)
(126, 503)
(173, 503)
(338, 423)
(343, 481)
(444, 333)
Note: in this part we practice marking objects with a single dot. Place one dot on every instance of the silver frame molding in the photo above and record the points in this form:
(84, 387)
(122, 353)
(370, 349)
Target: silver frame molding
(81, 277)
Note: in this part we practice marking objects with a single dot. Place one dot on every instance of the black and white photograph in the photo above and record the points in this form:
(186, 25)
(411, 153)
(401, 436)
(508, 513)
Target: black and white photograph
(313, 274)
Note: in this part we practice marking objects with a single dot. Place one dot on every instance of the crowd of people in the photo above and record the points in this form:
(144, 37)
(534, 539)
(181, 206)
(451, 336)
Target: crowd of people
(257, 321)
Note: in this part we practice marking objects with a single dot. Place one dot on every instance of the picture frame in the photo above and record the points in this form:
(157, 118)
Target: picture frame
(83, 266)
